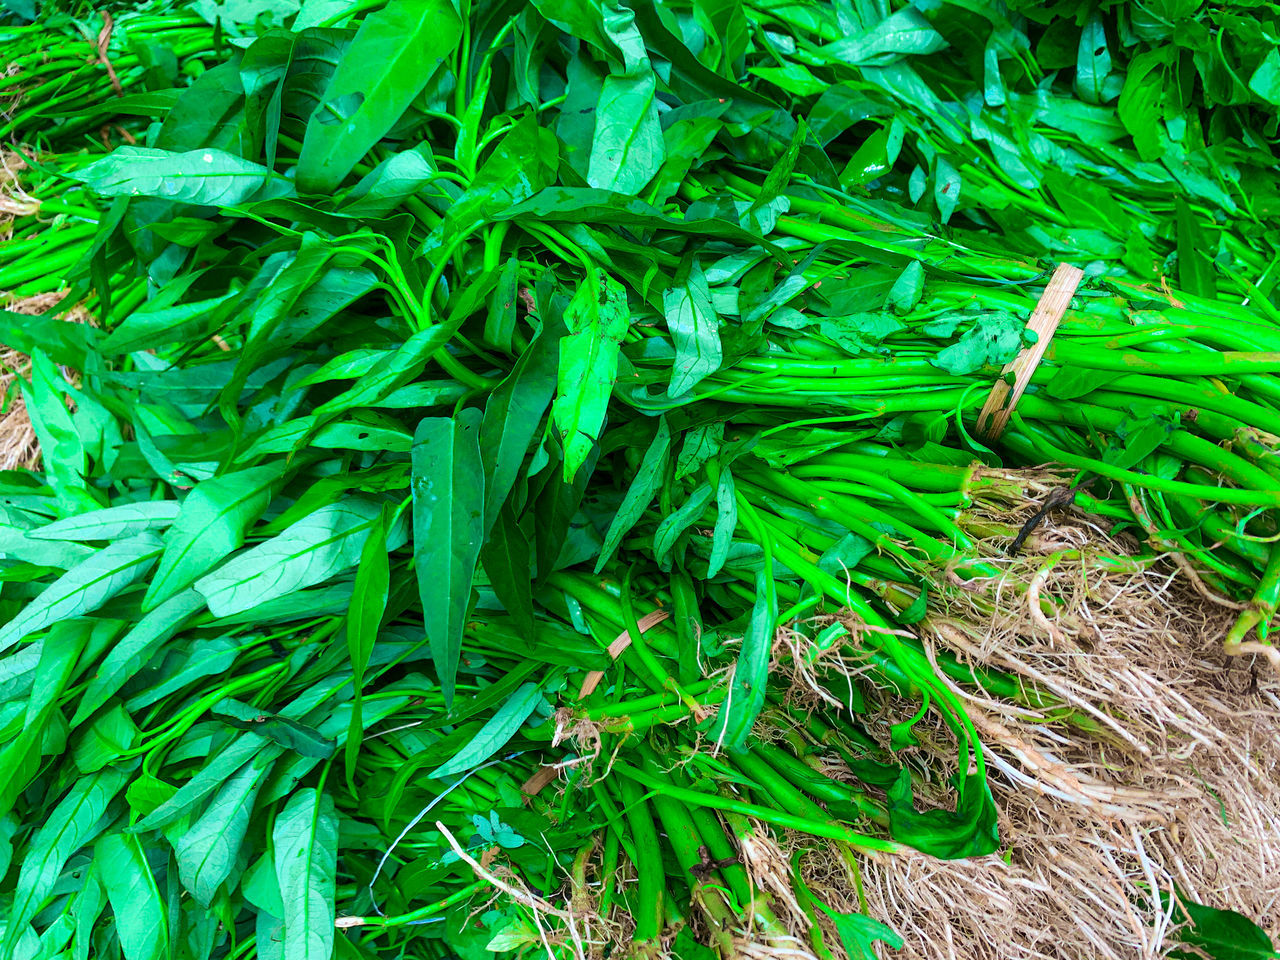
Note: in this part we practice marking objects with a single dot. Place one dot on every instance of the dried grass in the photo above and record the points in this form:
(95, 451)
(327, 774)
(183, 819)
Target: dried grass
(14, 200)
(1177, 786)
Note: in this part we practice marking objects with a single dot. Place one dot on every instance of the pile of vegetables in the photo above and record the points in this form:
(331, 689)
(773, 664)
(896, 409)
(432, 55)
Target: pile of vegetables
(498, 416)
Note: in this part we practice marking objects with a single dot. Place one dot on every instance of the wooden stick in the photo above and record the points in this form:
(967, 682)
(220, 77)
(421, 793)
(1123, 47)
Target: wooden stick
(1044, 321)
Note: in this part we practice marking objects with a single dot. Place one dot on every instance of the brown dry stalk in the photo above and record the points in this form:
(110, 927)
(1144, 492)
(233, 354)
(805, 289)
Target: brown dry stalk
(620, 643)
(103, 44)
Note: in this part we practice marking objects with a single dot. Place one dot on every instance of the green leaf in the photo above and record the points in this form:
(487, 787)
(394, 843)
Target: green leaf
(627, 147)
(388, 185)
(85, 909)
(678, 521)
(63, 449)
(106, 740)
(1139, 108)
(751, 671)
(85, 587)
(156, 323)
(111, 523)
(700, 445)
(261, 888)
(9, 826)
(645, 484)
(969, 831)
(289, 733)
(390, 61)
(392, 371)
(686, 947)
(316, 12)
(232, 13)
(1265, 81)
(496, 732)
(845, 554)
(992, 340)
(132, 651)
(206, 177)
(903, 32)
(314, 549)
(1072, 383)
(861, 332)
(206, 851)
(75, 821)
(908, 288)
(448, 530)
(946, 188)
(62, 648)
(1195, 269)
(507, 558)
(306, 853)
(1218, 934)
(512, 416)
(147, 793)
(142, 921)
(208, 778)
(364, 619)
(1093, 61)
(524, 162)
(859, 933)
(1136, 438)
(694, 326)
(586, 205)
(214, 519)
(726, 522)
(597, 320)
(18, 543)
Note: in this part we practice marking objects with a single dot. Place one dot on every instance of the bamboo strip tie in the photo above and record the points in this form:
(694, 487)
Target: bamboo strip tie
(620, 643)
(1044, 321)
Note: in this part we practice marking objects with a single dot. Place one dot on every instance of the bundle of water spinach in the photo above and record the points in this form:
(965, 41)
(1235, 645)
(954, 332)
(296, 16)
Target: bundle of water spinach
(475, 393)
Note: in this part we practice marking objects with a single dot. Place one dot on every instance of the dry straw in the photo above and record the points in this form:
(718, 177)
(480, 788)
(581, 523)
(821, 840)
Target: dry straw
(1176, 786)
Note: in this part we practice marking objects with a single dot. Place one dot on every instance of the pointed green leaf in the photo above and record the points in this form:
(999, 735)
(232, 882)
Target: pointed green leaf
(597, 320)
(74, 822)
(726, 522)
(85, 587)
(314, 549)
(211, 775)
(1219, 934)
(751, 672)
(392, 58)
(507, 557)
(678, 521)
(695, 329)
(364, 618)
(645, 484)
(206, 851)
(214, 519)
(141, 919)
(111, 523)
(132, 651)
(207, 177)
(306, 854)
(448, 530)
(512, 416)
(495, 734)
